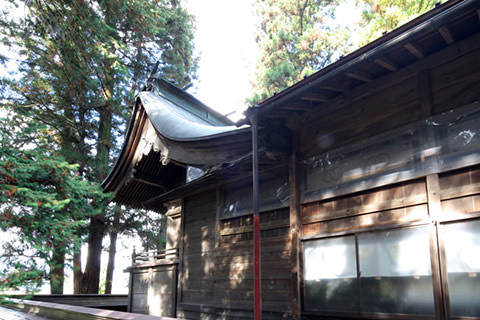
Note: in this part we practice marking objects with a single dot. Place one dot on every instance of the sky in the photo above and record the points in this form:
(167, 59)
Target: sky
(225, 42)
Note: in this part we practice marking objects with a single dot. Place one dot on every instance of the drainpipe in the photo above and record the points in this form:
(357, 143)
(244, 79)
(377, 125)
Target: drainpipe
(257, 292)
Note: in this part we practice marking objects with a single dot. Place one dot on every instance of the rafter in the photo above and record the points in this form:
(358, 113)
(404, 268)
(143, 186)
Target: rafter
(151, 183)
(362, 76)
(414, 50)
(386, 63)
(446, 34)
(296, 107)
(335, 89)
(316, 97)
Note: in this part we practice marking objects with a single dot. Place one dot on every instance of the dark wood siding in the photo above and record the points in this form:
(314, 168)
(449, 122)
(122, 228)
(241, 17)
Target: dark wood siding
(217, 280)
(197, 279)
(401, 203)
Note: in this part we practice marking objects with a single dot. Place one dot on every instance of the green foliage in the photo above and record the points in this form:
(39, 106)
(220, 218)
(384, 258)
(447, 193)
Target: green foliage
(81, 64)
(45, 203)
(380, 16)
(296, 37)
(151, 228)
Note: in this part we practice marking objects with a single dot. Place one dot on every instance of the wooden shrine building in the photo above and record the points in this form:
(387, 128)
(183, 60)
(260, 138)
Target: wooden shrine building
(369, 187)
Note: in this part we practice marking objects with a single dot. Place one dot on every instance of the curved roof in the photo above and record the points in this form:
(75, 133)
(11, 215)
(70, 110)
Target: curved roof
(170, 130)
(174, 123)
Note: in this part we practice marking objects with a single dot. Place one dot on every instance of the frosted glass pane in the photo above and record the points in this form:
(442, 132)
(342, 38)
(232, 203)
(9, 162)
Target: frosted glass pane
(462, 248)
(330, 258)
(403, 252)
(458, 136)
(330, 274)
(395, 271)
(384, 159)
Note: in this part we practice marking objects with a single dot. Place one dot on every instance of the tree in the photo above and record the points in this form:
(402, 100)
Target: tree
(380, 16)
(82, 62)
(296, 38)
(44, 202)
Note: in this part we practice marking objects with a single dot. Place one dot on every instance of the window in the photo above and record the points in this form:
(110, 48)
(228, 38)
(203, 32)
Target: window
(331, 274)
(274, 194)
(393, 272)
(462, 247)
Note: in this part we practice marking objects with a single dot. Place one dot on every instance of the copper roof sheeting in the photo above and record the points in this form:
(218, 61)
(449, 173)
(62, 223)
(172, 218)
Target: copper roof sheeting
(169, 130)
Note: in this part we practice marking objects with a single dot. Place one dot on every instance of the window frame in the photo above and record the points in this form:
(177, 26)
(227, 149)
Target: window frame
(373, 315)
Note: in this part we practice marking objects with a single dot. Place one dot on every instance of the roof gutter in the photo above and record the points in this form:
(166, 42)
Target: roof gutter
(341, 66)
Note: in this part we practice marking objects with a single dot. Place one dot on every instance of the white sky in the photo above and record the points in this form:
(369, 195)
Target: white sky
(225, 42)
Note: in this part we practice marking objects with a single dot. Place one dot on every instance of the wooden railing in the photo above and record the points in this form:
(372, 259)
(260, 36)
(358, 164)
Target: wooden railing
(152, 256)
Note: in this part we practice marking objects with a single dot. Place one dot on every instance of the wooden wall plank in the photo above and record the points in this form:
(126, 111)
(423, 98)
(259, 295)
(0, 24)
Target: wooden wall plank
(394, 106)
(441, 64)
(391, 197)
(382, 218)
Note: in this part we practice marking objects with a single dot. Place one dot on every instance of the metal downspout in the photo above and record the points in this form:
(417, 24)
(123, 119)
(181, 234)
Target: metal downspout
(257, 292)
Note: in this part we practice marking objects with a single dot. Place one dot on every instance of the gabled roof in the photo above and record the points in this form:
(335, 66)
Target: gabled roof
(170, 130)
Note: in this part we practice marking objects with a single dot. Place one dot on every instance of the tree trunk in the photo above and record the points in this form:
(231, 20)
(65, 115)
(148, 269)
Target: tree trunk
(91, 276)
(111, 261)
(77, 270)
(112, 249)
(57, 264)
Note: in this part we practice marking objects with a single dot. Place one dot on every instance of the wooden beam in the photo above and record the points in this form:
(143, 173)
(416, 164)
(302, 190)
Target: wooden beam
(433, 196)
(358, 75)
(335, 89)
(414, 50)
(278, 114)
(386, 63)
(295, 225)
(425, 93)
(316, 97)
(296, 107)
(446, 34)
(151, 183)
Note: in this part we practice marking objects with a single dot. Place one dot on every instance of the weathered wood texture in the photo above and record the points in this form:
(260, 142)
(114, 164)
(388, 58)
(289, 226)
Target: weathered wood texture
(460, 193)
(437, 83)
(400, 203)
(153, 290)
(217, 278)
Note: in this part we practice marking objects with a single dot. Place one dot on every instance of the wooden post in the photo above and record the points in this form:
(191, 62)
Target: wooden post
(257, 291)
(295, 224)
